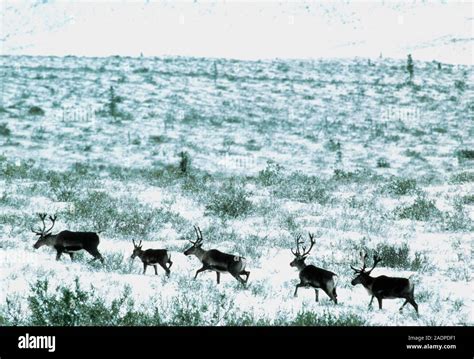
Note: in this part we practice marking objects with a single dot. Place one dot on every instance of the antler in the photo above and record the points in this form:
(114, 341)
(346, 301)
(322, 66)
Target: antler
(311, 238)
(135, 245)
(377, 260)
(363, 258)
(297, 252)
(42, 216)
(53, 221)
(198, 235)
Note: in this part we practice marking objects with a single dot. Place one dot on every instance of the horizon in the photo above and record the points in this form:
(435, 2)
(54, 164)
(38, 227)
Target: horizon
(240, 30)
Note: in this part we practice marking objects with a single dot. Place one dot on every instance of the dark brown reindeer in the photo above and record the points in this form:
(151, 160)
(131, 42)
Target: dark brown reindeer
(152, 257)
(217, 261)
(67, 241)
(384, 287)
(312, 276)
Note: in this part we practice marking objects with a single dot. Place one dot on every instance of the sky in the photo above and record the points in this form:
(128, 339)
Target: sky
(430, 30)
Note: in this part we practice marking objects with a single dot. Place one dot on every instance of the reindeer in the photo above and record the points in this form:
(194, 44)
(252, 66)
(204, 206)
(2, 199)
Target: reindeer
(384, 287)
(312, 276)
(67, 241)
(217, 261)
(152, 257)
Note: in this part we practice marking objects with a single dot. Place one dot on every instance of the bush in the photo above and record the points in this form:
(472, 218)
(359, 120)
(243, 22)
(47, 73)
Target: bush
(401, 186)
(271, 175)
(399, 257)
(462, 177)
(359, 176)
(231, 200)
(422, 210)
(184, 162)
(465, 155)
(306, 318)
(35, 111)
(383, 163)
(303, 188)
(459, 219)
(4, 130)
(76, 306)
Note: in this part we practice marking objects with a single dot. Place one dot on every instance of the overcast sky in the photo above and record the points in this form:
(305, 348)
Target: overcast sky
(435, 30)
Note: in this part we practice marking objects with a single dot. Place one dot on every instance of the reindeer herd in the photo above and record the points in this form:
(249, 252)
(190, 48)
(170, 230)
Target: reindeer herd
(310, 276)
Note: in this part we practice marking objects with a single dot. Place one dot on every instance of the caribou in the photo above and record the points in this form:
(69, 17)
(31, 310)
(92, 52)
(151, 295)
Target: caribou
(310, 275)
(384, 287)
(67, 241)
(152, 257)
(217, 261)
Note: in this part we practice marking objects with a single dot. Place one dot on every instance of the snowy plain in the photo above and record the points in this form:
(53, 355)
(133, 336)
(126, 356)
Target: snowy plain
(276, 130)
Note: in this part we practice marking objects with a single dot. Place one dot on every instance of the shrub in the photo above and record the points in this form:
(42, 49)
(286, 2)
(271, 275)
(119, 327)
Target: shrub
(401, 186)
(465, 155)
(459, 219)
(76, 306)
(468, 199)
(462, 177)
(35, 111)
(421, 210)
(303, 188)
(383, 163)
(271, 175)
(4, 130)
(184, 162)
(306, 318)
(231, 200)
(399, 257)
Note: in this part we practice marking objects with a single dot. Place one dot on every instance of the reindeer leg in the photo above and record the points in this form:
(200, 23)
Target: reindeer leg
(379, 299)
(170, 263)
(401, 308)
(334, 295)
(202, 269)
(144, 268)
(236, 276)
(218, 277)
(299, 285)
(167, 269)
(371, 300)
(95, 253)
(317, 294)
(72, 256)
(330, 294)
(156, 270)
(58, 255)
(413, 303)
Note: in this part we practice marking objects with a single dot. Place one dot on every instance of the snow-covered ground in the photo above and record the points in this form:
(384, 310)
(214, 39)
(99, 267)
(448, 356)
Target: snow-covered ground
(355, 125)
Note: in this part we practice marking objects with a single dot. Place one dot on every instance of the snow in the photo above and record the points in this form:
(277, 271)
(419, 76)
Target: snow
(270, 109)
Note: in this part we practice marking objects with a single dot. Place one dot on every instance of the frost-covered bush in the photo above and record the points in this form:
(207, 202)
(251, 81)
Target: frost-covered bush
(307, 318)
(4, 130)
(401, 186)
(399, 257)
(230, 200)
(184, 162)
(303, 188)
(271, 175)
(459, 219)
(421, 210)
(73, 306)
(462, 177)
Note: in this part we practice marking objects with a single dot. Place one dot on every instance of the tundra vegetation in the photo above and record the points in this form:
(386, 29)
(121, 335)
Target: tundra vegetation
(256, 154)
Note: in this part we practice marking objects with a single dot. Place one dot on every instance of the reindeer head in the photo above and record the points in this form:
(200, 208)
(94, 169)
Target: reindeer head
(46, 237)
(363, 275)
(196, 244)
(137, 249)
(300, 257)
